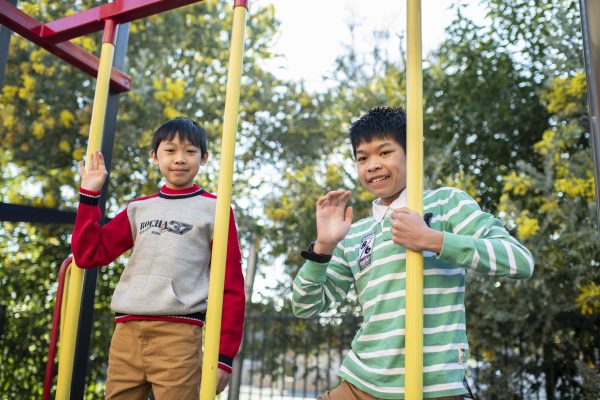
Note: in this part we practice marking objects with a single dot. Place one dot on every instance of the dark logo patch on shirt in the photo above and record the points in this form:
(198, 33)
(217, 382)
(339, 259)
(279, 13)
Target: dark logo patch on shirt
(365, 250)
(162, 226)
(178, 227)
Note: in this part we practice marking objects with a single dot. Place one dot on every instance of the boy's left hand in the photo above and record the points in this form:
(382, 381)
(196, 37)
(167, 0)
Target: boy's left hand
(410, 230)
(223, 378)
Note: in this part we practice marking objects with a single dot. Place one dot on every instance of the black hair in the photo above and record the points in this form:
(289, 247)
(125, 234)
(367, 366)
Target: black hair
(185, 128)
(379, 122)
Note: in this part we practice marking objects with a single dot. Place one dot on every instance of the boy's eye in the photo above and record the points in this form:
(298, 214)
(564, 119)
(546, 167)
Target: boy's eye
(192, 151)
(361, 159)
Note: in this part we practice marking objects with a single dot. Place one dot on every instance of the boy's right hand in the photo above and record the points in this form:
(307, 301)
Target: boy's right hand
(333, 220)
(93, 178)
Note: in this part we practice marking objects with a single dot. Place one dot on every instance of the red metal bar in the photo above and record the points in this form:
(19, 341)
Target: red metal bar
(55, 325)
(26, 26)
(92, 20)
(110, 32)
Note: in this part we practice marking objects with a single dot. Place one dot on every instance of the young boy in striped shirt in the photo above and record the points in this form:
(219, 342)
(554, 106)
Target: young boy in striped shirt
(371, 255)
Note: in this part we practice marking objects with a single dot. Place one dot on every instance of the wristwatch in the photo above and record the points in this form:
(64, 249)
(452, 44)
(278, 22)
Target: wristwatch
(309, 254)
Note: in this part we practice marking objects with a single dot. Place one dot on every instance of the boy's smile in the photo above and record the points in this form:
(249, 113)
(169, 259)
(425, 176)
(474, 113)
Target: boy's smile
(179, 162)
(381, 165)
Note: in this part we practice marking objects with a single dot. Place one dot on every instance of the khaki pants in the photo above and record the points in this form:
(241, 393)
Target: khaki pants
(163, 356)
(347, 391)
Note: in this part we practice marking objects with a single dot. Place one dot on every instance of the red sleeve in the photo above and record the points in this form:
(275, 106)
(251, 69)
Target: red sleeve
(94, 245)
(234, 301)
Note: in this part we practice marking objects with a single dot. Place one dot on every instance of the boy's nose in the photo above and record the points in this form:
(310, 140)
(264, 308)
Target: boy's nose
(373, 166)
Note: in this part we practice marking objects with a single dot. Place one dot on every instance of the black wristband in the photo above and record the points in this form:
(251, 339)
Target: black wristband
(312, 256)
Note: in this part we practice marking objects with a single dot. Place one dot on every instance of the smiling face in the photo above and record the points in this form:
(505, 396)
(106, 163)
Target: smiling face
(179, 162)
(381, 165)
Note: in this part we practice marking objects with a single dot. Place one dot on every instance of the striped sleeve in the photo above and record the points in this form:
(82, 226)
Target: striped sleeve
(477, 240)
(317, 286)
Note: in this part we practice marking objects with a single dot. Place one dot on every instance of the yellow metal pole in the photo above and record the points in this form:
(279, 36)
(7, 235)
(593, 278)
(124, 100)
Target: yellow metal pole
(219, 252)
(65, 299)
(413, 373)
(68, 336)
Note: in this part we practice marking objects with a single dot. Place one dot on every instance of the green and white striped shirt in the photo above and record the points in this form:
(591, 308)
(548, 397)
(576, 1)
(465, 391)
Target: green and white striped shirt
(368, 258)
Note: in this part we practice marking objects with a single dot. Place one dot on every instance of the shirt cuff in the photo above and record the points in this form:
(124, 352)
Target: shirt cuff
(89, 197)
(457, 249)
(225, 363)
(313, 271)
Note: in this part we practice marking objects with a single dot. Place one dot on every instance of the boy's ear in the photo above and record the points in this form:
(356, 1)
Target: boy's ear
(204, 158)
(154, 158)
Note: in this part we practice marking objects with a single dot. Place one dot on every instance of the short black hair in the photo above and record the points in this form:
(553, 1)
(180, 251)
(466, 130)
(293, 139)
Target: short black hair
(185, 128)
(379, 122)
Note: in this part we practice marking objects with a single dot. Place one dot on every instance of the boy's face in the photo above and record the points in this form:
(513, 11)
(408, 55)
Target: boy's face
(178, 161)
(381, 165)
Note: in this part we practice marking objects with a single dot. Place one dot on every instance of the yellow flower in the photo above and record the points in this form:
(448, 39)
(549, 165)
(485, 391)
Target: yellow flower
(170, 91)
(78, 154)
(526, 226)
(49, 122)
(548, 206)
(26, 92)
(87, 43)
(38, 68)
(545, 145)
(170, 112)
(10, 91)
(9, 121)
(66, 118)
(589, 299)
(38, 130)
(64, 145)
(517, 184)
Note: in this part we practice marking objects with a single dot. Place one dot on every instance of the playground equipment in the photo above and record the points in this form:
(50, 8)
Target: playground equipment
(55, 36)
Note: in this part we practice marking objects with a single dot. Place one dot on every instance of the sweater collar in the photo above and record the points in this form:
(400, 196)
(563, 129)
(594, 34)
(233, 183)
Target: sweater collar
(380, 211)
(168, 193)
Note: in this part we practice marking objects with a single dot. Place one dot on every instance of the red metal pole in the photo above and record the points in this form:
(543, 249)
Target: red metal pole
(55, 328)
(92, 20)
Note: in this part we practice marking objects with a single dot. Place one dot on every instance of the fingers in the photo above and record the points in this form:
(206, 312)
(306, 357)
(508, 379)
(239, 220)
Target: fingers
(349, 215)
(335, 198)
(95, 162)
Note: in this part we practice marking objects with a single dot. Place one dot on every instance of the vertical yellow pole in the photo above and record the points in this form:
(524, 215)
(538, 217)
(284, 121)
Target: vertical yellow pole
(68, 336)
(219, 251)
(65, 299)
(414, 160)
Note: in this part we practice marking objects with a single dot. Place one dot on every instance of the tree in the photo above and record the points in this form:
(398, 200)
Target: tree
(553, 209)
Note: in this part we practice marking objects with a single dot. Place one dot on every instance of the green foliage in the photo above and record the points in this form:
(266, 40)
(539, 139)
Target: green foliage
(554, 210)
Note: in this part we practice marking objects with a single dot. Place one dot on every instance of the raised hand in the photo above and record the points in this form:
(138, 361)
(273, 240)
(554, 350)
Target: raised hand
(93, 177)
(333, 220)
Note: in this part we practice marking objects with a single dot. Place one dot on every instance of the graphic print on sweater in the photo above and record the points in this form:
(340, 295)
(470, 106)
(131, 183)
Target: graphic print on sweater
(364, 252)
(163, 226)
